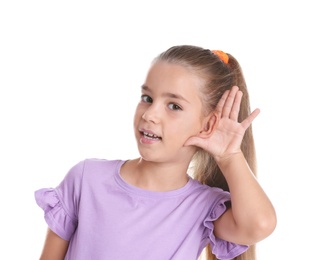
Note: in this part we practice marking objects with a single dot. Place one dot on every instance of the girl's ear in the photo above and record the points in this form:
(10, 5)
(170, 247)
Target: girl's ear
(209, 125)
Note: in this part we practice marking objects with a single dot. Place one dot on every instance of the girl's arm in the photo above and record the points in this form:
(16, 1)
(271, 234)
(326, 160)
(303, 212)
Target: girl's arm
(55, 247)
(252, 216)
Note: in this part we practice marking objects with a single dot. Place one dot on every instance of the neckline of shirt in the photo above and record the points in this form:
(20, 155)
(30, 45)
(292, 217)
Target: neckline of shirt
(148, 193)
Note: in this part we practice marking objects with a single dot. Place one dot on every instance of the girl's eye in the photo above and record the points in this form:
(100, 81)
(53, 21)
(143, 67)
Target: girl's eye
(173, 106)
(146, 98)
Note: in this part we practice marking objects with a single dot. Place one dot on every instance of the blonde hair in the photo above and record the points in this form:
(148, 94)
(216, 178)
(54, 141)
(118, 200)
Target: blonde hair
(217, 77)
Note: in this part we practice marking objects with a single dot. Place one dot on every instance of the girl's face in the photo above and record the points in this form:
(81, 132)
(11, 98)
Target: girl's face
(169, 112)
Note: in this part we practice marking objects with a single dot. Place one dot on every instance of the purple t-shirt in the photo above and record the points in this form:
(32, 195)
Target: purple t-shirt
(104, 217)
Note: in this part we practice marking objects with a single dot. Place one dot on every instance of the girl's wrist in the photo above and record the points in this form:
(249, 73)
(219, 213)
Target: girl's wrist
(228, 159)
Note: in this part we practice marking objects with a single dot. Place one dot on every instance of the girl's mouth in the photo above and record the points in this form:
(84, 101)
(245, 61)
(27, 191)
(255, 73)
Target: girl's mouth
(150, 136)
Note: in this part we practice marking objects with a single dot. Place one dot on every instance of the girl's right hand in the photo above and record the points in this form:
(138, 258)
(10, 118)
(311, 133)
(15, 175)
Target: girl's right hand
(227, 134)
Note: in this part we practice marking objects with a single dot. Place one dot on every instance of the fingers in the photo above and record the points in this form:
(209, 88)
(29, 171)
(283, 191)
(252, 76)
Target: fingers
(236, 106)
(229, 104)
(248, 121)
(221, 103)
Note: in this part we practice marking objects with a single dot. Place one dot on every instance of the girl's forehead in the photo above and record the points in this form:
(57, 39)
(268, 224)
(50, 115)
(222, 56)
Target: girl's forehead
(174, 73)
(173, 80)
(165, 66)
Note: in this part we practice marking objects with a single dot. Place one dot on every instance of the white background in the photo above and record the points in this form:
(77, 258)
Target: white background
(70, 76)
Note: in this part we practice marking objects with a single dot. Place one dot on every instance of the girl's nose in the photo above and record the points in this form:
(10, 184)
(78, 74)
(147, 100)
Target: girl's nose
(151, 114)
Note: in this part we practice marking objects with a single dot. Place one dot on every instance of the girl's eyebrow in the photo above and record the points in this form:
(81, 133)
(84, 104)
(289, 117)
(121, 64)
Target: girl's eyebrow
(166, 94)
(145, 88)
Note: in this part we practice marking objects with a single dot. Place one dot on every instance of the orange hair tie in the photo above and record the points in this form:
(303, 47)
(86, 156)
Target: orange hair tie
(222, 55)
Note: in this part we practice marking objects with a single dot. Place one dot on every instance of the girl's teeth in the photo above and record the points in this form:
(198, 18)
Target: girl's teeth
(150, 136)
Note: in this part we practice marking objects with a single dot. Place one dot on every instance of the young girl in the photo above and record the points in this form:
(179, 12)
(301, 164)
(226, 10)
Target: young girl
(192, 186)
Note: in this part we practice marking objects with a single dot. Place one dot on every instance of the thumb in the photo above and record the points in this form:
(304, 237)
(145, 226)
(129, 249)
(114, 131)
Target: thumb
(193, 140)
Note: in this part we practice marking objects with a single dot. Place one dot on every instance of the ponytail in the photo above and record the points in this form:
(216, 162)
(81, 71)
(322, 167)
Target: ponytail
(205, 168)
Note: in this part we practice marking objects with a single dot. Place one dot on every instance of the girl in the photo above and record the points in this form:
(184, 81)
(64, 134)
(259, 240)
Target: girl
(193, 119)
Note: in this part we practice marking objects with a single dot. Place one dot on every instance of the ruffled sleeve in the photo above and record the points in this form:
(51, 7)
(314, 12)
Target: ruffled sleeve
(57, 218)
(61, 205)
(223, 250)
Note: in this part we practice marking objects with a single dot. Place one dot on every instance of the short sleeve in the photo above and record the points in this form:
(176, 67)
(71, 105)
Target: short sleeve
(223, 250)
(61, 204)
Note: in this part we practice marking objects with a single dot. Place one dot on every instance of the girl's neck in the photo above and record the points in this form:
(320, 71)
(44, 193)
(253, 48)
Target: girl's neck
(155, 176)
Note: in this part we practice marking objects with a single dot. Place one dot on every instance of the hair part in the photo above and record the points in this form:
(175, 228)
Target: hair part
(217, 77)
